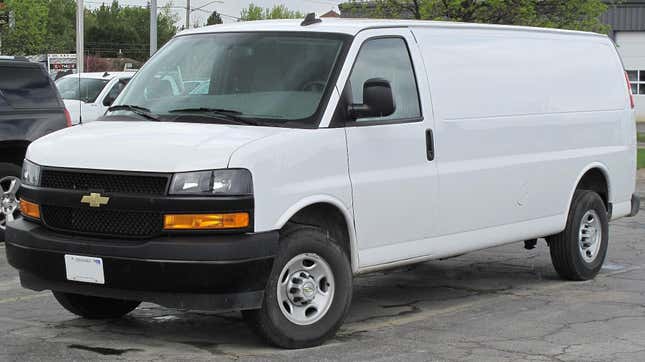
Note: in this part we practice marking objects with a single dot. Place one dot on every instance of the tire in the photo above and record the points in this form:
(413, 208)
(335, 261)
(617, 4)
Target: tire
(271, 321)
(571, 260)
(95, 307)
(7, 169)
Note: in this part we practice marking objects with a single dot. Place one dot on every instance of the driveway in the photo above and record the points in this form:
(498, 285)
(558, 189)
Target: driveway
(501, 304)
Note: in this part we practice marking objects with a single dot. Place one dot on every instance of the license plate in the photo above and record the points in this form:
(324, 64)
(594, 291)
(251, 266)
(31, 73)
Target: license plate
(84, 269)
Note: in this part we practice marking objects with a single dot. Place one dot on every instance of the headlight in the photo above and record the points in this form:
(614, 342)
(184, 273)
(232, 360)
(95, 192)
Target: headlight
(217, 182)
(30, 174)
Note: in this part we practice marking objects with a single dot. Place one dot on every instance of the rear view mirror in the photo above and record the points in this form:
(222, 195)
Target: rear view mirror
(109, 99)
(377, 100)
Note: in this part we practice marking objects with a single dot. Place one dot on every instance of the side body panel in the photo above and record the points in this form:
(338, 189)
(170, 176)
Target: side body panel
(294, 169)
(519, 118)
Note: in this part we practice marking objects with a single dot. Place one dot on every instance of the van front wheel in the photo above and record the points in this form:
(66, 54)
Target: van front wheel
(308, 293)
(579, 251)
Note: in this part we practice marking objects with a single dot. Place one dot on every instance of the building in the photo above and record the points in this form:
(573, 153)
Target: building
(362, 9)
(330, 14)
(627, 21)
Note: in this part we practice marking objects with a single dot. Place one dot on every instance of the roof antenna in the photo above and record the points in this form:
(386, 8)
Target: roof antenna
(310, 19)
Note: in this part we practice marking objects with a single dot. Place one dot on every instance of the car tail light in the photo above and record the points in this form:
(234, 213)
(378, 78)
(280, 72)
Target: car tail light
(629, 89)
(68, 118)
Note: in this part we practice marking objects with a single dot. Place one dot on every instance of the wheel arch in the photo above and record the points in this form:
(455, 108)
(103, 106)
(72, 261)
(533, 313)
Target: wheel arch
(329, 206)
(13, 151)
(595, 177)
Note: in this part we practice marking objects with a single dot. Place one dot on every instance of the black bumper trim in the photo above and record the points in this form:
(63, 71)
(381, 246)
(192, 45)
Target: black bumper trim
(189, 301)
(209, 272)
(636, 204)
(148, 275)
(210, 248)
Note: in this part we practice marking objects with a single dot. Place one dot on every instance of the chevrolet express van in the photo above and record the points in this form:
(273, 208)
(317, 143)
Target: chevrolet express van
(317, 151)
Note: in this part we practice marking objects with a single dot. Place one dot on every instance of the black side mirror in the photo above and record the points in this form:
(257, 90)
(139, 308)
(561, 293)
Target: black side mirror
(109, 99)
(377, 100)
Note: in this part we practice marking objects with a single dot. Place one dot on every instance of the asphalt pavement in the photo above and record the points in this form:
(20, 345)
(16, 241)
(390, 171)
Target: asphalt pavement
(501, 304)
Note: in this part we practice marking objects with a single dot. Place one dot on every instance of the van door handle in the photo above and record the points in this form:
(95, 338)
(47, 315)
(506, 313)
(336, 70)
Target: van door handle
(429, 145)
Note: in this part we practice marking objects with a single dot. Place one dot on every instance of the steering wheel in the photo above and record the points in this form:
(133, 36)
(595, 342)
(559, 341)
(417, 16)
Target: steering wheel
(314, 86)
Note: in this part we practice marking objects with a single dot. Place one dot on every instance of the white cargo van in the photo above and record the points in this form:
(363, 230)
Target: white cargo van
(320, 150)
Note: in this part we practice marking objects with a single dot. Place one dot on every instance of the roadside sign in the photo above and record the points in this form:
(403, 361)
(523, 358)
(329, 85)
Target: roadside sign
(61, 64)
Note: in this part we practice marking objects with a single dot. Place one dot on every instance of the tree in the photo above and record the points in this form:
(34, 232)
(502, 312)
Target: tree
(28, 32)
(214, 18)
(570, 14)
(61, 32)
(254, 12)
(124, 31)
(49, 26)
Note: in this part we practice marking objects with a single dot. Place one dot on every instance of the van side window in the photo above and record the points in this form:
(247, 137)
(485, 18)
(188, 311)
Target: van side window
(387, 58)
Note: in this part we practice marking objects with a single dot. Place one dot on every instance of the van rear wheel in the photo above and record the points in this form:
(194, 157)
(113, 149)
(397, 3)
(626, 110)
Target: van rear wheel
(308, 293)
(579, 251)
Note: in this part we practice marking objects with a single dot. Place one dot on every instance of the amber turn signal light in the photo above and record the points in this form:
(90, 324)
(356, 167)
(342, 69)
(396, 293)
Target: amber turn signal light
(29, 209)
(236, 220)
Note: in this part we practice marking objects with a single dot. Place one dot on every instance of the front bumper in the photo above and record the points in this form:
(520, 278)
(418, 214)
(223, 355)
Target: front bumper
(204, 272)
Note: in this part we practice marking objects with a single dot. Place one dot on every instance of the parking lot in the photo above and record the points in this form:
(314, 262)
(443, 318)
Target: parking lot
(500, 304)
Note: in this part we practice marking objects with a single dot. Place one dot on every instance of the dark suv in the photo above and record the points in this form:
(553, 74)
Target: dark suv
(30, 107)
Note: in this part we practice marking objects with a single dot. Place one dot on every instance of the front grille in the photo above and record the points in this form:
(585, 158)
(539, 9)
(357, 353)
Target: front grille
(105, 182)
(103, 222)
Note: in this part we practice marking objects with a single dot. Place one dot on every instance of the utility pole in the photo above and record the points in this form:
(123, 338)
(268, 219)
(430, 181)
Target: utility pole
(80, 35)
(153, 27)
(188, 14)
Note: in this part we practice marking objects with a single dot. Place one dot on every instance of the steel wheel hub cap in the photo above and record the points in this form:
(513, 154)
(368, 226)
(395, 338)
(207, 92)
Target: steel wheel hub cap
(590, 236)
(306, 289)
(8, 201)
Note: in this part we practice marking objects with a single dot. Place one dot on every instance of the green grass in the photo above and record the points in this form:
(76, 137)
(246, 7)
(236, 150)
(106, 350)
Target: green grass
(640, 159)
(641, 137)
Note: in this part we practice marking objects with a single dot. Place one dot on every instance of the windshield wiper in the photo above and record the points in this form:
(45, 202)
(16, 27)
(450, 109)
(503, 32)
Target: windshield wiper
(209, 110)
(138, 110)
(226, 115)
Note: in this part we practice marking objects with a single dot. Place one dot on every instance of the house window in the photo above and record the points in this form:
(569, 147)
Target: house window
(637, 80)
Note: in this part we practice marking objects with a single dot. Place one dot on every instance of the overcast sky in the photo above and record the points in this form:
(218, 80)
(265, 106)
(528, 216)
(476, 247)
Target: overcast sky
(228, 7)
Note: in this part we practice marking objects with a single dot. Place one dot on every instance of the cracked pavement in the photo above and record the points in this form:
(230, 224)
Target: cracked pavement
(500, 304)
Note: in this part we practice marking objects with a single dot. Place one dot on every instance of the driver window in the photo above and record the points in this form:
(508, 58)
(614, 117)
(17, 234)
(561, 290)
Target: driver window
(387, 58)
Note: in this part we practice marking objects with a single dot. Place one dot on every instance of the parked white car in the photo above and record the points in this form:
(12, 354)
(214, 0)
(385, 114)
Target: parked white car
(312, 152)
(88, 95)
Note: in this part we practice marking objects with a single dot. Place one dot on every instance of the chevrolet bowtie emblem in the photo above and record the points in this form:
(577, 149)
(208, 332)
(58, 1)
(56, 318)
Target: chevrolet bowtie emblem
(95, 200)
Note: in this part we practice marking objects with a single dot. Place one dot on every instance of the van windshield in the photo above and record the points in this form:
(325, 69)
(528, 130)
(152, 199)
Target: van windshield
(258, 78)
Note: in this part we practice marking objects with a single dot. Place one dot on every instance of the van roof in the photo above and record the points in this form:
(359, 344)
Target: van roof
(354, 26)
